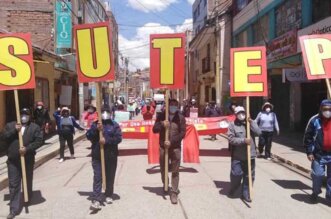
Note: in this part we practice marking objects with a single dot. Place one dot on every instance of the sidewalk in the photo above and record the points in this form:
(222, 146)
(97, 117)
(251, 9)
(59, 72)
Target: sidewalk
(46, 152)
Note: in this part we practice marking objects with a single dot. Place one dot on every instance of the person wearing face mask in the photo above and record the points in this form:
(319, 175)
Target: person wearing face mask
(112, 136)
(66, 130)
(268, 123)
(91, 115)
(177, 130)
(317, 141)
(32, 140)
(239, 141)
(41, 117)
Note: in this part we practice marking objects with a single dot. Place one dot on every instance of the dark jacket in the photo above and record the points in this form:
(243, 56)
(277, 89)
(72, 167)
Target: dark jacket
(41, 117)
(32, 140)
(213, 111)
(313, 138)
(237, 134)
(58, 119)
(177, 129)
(112, 134)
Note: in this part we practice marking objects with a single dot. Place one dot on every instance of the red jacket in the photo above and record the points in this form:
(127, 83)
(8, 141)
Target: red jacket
(147, 114)
(90, 118)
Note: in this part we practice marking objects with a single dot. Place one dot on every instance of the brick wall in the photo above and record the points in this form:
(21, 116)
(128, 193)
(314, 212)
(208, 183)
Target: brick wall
(33, 16)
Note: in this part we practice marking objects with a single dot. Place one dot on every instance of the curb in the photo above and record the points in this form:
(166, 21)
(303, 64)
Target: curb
(293, 166)
(41, 160)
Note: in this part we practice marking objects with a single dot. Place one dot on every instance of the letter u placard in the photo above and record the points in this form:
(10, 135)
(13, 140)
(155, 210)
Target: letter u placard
(94, 52)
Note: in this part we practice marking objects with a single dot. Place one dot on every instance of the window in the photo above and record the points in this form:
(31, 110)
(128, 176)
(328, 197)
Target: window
(288, 17)
(241, 39)
(42, 91)
(261, 30)
(321, 9)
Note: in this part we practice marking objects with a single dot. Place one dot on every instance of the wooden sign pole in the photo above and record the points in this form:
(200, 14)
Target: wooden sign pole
(102, 150)
(166, 152)
(20, 139)
(248, 129)
(327, 80)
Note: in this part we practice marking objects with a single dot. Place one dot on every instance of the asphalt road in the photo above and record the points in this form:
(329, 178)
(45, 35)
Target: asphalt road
(62, 189)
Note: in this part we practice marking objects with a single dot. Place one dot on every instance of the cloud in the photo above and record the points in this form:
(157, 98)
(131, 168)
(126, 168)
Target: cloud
(137, 49)
(191, 1)
(150, 5)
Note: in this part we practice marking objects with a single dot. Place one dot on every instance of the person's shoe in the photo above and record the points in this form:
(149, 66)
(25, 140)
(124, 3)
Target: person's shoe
(72, 156)
(246, 199)
(61, 160)
(173, 198)
(268, 158)
(11, 215)
(313, 198)
(95, 206)
(109, 200)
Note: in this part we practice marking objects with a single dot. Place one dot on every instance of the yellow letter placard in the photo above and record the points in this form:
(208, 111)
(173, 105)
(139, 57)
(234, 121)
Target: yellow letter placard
(167, 61)
(316, 52)
(16, 62)
(94, 52)
(248, 72)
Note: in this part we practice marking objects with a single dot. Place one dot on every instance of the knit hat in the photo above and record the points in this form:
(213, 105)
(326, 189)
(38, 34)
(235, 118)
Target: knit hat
(326, 102)
(267, 104)
(239, 109)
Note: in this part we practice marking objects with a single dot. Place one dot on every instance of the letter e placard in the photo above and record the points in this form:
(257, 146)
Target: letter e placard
(248, 72)
(94, 52)
(167, 60)
(316, 52)
(16, 62)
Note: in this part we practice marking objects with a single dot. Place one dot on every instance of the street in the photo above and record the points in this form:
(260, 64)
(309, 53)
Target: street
(62, 189)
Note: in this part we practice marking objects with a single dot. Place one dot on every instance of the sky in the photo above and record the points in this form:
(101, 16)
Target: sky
(137, 19)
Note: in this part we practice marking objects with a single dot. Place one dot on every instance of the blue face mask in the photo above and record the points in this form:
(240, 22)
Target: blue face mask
(173, 109)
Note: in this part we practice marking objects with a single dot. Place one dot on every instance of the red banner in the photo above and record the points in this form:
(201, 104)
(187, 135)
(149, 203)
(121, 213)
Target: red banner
(94, 52)
(167, 60)
(248, 72)
(16, 62)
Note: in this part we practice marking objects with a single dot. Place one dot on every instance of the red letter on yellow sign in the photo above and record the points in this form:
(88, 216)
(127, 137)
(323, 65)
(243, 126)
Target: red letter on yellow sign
(16, 62)
(94, 52)
(167, 61)
(316, 52)
(248, 72)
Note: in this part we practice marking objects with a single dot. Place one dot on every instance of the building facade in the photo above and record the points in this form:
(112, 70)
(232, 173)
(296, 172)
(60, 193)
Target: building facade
(278, 24)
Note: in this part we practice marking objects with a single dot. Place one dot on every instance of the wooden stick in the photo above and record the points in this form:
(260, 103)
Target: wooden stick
(248, 128)
(327, 80)
(20, 139)
(166, 153)
(102, 149)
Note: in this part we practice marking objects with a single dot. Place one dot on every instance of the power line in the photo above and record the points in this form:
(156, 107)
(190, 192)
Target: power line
(136, 47)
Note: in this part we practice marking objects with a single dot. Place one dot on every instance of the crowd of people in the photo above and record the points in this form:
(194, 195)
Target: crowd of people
(33, 126)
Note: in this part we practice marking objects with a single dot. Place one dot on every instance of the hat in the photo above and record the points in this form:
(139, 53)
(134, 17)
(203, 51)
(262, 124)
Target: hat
(25, 111)
(239, 109)
(326, 102)
(40, 103)
(267, 104)
(65, 109)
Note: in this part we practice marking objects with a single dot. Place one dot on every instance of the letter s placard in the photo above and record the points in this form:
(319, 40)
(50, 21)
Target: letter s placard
(167, 56)
(16, 62)
(94, 52)
(248, 72)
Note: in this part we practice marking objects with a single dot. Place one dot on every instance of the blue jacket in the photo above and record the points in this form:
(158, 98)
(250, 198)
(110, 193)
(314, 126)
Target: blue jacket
(112, 134)
(58, 119)
(313, 138)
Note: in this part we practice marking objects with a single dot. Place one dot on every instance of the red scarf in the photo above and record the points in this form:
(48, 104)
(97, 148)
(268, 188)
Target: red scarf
(327, 134)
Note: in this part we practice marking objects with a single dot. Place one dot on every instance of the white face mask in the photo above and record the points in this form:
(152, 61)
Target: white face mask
(39, 107)
(25, 119)
(105, 115)
(268, 110)
(241, 117)
(326, 114)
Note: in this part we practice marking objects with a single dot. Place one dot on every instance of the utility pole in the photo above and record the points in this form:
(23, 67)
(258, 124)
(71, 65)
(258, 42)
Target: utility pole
(126, 81)
(217, 76)
(187, 66)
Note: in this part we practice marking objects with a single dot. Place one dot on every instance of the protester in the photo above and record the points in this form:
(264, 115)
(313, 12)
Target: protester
(112, 136)
(66, 130)
(131, 109)
(213, 111)
(239, 141)
(317, 141)
(32, 140)
(267, 121)
(147, 111)
(41, 118)
(192, 104)
(177, 130)
(91, 115)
